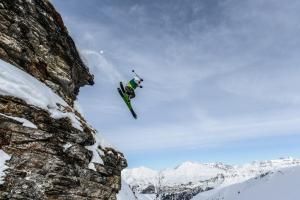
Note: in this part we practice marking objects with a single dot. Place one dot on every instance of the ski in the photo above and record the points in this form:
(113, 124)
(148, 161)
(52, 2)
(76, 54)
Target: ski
(122, 87)
(127, 101)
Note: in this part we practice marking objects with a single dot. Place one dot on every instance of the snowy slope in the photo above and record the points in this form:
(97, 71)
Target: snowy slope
(125, 193)
(183, 174)
(140, 177)
(194, 172)
(191, 178)
(278, 185)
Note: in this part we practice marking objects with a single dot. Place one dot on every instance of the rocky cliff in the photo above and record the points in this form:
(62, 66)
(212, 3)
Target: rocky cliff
(52, 152)
(34, 38)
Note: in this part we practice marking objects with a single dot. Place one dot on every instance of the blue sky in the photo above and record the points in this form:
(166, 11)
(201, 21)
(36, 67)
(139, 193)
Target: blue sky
(221, 77)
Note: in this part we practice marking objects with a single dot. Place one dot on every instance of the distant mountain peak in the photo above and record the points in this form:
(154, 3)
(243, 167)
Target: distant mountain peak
(190, 178)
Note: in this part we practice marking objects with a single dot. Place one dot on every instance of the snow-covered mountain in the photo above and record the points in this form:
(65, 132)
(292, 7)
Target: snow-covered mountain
(277, 185)
(190, 178)
(140, 178)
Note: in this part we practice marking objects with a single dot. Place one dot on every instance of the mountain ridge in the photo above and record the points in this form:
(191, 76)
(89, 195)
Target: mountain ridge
(190, 178)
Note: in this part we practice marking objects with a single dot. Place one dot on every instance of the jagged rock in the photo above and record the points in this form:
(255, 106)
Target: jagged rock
(34, 38)
(49, 161)
(149, 190)
(79, 154)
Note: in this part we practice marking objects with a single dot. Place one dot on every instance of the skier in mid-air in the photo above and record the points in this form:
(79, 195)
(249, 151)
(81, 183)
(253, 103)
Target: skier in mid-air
(132, 85)
(128, 93)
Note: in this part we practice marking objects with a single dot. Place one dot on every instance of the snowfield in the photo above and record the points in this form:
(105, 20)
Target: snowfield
(125, 193)
(278, 185)
(142, 176)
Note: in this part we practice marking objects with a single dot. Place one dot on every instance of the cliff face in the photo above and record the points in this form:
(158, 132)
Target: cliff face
(58, 155)
(34, 38)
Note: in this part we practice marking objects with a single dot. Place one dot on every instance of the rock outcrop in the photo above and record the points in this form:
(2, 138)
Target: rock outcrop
(33, 37)
(53, 159)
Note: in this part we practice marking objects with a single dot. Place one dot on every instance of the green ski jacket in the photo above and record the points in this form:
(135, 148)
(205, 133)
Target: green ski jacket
(133, 84)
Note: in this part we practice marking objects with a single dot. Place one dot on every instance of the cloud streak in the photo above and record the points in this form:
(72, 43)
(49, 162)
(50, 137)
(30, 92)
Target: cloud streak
(215, 71)
(101, 66)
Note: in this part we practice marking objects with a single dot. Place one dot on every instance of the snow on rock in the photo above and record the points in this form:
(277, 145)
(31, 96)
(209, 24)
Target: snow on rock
(3, 158)
(40, 84)
(17, 83)
(100, 142)
(125, 193)
(25, 122)
(278, 185)
(67, 145)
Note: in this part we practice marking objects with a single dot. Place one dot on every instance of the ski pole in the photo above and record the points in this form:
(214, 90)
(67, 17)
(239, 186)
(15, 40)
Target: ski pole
(137, 75)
